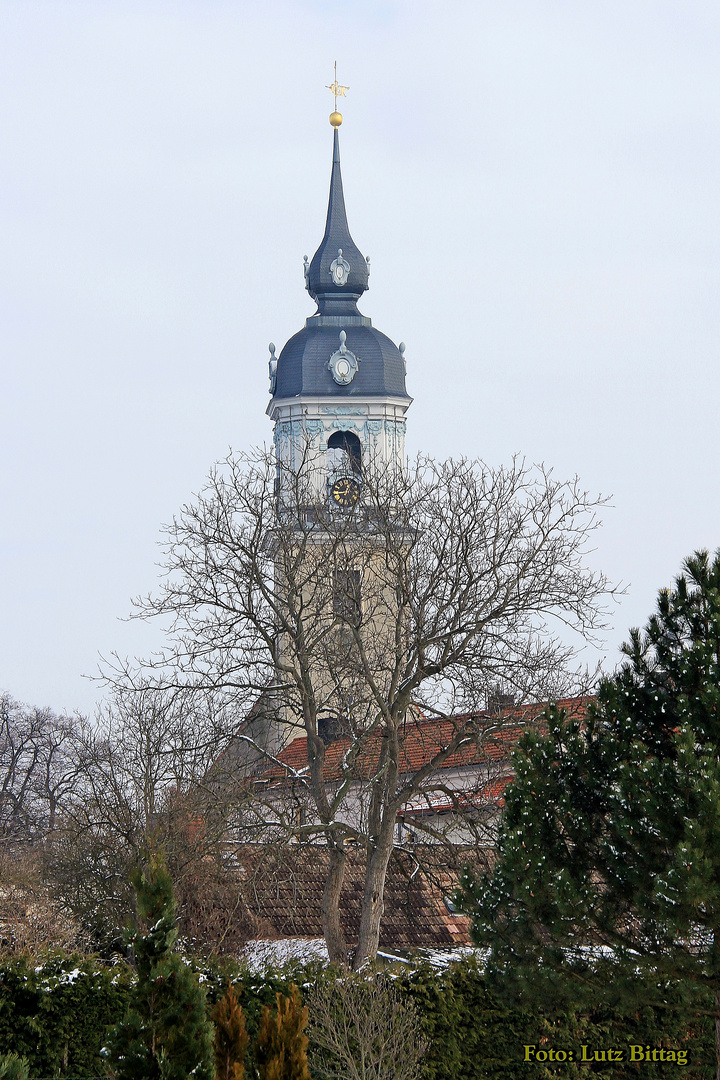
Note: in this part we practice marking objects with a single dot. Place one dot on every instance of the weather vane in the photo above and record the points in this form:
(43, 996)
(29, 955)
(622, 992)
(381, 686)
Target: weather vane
(338, 91)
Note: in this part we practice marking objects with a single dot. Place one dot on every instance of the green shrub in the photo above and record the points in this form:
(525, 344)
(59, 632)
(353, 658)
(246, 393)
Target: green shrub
(57, 1014)
(478, 1031)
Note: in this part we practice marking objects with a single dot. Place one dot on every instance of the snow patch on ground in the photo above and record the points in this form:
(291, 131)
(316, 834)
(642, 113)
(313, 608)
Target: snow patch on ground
(437, 958)
(263, 954)
(260, 955)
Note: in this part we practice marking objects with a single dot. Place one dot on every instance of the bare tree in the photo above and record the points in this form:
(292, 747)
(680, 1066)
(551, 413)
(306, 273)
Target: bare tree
(38, 769)
(30, 919)
(363, 1029)
(38, 773)
(353, 626)
(142, 770)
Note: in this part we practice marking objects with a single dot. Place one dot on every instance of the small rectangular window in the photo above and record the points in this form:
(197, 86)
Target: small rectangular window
(346, 596)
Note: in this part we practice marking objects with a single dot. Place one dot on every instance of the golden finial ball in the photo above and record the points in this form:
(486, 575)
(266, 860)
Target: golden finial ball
(336, 119)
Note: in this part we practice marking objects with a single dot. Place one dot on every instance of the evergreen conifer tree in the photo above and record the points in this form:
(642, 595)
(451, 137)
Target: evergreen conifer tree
(166, 1034)
(14, 1067)
(282, 1043)
(231, 1037)
(611, 830)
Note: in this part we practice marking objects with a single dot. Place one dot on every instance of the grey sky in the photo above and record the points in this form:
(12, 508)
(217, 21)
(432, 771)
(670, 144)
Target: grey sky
(536, 184)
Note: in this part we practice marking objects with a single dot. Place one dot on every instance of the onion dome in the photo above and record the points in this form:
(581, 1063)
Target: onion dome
(338, 273)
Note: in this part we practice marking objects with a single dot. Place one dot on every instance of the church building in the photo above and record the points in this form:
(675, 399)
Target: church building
(338, 405)
(316, 746)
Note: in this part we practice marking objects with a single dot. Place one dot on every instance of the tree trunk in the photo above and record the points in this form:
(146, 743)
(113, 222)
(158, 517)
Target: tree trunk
(372, 905)
(334, 937)
(717, 1034)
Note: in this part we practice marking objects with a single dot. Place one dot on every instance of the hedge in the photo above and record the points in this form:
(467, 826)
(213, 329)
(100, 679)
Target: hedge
(476, 1033)
(58, 1013)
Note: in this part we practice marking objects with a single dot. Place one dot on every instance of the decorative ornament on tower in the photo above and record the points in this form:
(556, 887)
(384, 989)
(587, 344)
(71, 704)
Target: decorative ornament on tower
(343, 364)
(272, 367)
(338, 91)
(339, 269)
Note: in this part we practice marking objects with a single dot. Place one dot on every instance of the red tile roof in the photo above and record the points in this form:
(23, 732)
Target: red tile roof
(283, 887)
(490, 792)
(484, 742)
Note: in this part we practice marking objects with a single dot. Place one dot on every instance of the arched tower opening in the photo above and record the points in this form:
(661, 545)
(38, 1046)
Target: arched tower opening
(344, 453)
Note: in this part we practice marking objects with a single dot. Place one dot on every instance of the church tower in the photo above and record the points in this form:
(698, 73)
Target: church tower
(338, 404)
(338, 386)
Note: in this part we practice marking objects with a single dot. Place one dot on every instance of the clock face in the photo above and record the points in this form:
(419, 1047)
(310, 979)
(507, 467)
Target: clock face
(345, 491)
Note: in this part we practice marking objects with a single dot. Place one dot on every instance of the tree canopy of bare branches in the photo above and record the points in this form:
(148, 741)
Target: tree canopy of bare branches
(363, 1029)
(38, 769)
(141, 770)
(84, 802)
(355, 626)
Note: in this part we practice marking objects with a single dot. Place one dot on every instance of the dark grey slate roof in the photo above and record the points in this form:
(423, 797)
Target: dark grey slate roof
(337, 236)
(303, 364)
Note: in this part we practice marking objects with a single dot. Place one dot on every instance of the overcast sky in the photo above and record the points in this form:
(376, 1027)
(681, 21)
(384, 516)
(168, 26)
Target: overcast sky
(535, 181)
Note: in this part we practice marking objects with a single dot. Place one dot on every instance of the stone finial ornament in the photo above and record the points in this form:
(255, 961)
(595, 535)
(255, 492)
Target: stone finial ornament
(272, 368)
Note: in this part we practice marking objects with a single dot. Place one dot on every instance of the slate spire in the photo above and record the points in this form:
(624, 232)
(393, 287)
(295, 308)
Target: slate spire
(338, 273)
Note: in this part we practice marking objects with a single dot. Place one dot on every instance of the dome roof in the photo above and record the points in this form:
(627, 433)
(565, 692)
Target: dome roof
(304, 364)
(336, 277)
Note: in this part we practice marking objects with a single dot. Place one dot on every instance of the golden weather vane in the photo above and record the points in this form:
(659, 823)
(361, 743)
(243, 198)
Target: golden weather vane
(338, 91)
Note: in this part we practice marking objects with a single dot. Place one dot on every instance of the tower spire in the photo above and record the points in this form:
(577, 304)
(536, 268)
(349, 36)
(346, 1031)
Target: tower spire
(312, 371)
(338, 273)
